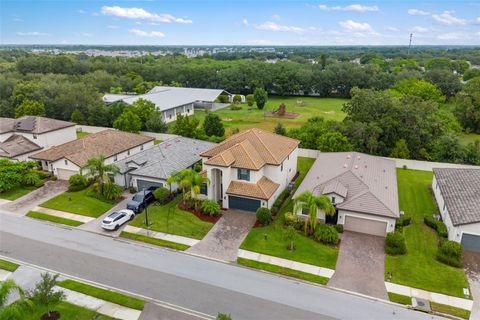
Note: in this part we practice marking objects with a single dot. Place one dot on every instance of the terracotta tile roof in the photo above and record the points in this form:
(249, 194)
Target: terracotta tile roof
(263, 189)
(107, 143)
(17, 145)
(32, 124)
(251, 149)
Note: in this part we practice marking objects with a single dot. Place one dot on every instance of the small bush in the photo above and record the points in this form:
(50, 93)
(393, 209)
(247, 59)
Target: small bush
(326, 234)
(112, 191)
(223, 98)
(54, 178)
(438, 226)
(291, 219)
(77, 182)
(395, 243)
(223, 316)
(235, 107)
(264, 215)
(237, 99)
(339, 228)
(198, 167)
(404, 221)
(280, 200)
(30, 178)
(39, 183)
(162, 195)
(450, 253)
(42, 174)
(210, 207)
(132, 189)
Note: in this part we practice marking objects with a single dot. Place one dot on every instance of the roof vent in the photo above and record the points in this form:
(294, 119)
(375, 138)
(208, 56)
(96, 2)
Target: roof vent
(365, 166)
(356, 167)
(349, 156)
(358, 157)
(344, 165)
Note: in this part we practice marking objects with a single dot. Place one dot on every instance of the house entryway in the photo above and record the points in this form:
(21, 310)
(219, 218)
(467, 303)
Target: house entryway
(224, 239)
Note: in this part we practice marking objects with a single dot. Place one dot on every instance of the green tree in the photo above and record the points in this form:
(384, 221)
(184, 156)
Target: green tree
(467, 105)
(213, 125)
(128, 121)
(449, 149)
(77, 117)
(311, 203)
(261, 97)
(323, 61)
(439, 63)
(186, 126)
(280, 129)
(401, 150)
(30, 108)
(144, 109)
(44, 293)
(250, 99)
(471, 73)
(17, 310)
(333, 142)
(418, 88)
(445, 80)
(156, 123)
(190, 181)
(99, 171)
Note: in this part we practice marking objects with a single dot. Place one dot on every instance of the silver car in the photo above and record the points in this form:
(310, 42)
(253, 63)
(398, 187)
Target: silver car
(115, 219)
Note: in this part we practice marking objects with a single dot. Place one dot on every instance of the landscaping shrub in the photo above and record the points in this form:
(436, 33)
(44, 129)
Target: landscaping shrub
(291, 219)
(210, 207)
(42, 174)
(237, 99)
(264, 215)
(132, 189)
(280, 200)
(339, 228)
(250, 100)
(223, 98)
(39, 183)
(162, 195)
(234, 106)
(112, 191)
(438, 226)
(450, 253)
(404, 221)
(77, 182)
(198, 167)
(326, 234)
(54, 178)
(30, 178)
(395, 243)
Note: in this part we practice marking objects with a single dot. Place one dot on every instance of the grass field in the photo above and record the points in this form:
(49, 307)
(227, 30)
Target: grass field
(79, 202)
(67, 311)
(169, 219)
(47, 217)
(16, 192)
(329, 108)
(419, 268)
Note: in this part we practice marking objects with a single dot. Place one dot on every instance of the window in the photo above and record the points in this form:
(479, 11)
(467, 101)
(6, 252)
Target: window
(34, 136)
(128, 152)
(66, 162)
(141, 147)
(188, 110)
(333, 200)
(203, 189)
(169, 116)
(243, 174)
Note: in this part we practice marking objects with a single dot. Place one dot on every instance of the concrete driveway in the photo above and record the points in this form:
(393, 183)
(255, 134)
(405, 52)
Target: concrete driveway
(361, 265)
(472, 269)
(224, 239)
(29, 201)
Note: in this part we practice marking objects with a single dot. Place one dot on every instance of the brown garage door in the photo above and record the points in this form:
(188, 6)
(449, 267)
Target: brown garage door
(64, 174)
(377, 228)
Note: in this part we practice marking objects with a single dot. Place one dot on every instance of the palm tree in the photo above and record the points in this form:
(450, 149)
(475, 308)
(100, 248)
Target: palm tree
(15, 310)
(197, 181)
(308, 201)
(98, 170)
(188, 180)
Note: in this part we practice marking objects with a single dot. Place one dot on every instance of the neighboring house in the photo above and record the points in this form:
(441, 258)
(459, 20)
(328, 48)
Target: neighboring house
(20, 138)
(172, 100)
(457, 192)
(152, 167)
(250, 169)
(363, 189)
(67, 159)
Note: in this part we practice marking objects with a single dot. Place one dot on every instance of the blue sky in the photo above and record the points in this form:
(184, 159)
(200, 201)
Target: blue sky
(248, 22)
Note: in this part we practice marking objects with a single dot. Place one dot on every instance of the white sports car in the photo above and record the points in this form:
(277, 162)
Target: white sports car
(115, 219)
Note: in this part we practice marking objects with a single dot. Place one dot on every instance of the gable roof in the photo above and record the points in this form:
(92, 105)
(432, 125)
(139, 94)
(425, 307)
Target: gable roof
(263, 189)
(166, 158)
(17, 145)
(460, 190)
(369, 182)
(107, 143)
(32, 124)
(251, 149)
(166, 98)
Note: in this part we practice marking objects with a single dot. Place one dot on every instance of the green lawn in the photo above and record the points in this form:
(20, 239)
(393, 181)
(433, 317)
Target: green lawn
(271, 239)
(67, 311)
(79, 203)
(400, 298)
(154, 241)
(82, 134)
(104, 294)
(329, 108)
(283, 271)
(169, 219)
(47, 217)
(16, 193)
(7, 265)
(156, 141)
(461, 313)
(419, 268)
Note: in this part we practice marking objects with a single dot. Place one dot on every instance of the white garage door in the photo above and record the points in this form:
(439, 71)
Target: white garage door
(374, 227)
(64, 174)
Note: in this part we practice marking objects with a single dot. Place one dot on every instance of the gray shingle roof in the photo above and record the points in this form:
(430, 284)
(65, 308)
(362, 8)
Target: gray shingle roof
(370, 182)
(166, 158)
(32, 124)
(460, 189)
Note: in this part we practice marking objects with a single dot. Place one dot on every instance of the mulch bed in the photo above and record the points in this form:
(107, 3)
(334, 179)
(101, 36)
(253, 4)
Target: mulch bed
(54, 315)
(199, 215)
(259, 225)
(287, 115)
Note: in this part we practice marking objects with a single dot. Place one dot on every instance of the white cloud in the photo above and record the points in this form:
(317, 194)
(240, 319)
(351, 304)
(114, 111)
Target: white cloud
(80, 11)
(477, 20)
(142, 33)
(272, 26)
(416, 12)
(20, 20)
(142, 14)
(419, 29)
(32, 34)
(245, 22)
(448, 19)
(276, 17)
(392, 29)
(112, 27)
(453, 36)
(352, 7)
(85, 34)
(351, 25)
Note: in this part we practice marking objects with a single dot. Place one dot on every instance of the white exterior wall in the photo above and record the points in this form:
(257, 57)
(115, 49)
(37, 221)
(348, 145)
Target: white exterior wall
(64, 164)
(454, 232)
(343, 213)
(186, 110)
(5, 136)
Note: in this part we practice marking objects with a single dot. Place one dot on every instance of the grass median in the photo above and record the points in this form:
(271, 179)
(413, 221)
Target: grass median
(47, 217)
(7, 265)
(154, 241)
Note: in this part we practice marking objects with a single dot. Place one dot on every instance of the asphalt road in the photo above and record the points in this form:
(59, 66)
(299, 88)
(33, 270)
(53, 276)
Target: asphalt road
(191, 282)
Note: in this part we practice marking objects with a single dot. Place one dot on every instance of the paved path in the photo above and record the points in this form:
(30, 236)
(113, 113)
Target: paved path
(63, 214)
(361, 265)
(4, 201)
(29, 201)
(226, 236)
(163, 236)
(472, 269)
(180, 279)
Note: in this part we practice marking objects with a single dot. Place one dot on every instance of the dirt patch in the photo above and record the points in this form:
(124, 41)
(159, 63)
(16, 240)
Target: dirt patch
(199, 214)
(287, 115)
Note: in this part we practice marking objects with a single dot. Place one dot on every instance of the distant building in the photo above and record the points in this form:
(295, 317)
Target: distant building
(171, 101)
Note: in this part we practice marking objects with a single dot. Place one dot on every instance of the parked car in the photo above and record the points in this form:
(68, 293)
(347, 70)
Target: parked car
(115, 219)
(140, 200)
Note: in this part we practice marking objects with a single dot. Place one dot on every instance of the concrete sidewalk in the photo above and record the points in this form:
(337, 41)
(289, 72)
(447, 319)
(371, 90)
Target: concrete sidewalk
(160, 235)
(63, 214)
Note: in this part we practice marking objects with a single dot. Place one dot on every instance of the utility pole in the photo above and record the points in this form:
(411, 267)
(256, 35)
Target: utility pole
(410, 44)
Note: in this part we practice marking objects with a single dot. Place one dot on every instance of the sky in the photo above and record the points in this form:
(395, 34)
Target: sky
(241, 22)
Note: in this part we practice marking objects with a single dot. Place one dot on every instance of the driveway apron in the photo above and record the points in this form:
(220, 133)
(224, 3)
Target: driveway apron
(224, 239)
(361, 265)
(472, 269)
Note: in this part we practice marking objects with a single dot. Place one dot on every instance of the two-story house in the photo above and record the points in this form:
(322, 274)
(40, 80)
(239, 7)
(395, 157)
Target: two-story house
(249, 170)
